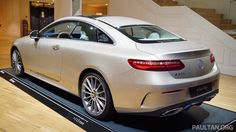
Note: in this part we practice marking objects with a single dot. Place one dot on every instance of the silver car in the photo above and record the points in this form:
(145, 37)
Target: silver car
(119, 64)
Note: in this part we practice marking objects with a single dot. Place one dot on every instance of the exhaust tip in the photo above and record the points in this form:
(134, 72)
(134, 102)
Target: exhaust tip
(172, 112)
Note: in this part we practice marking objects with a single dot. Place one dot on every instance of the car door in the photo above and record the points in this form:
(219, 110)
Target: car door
(47, 56)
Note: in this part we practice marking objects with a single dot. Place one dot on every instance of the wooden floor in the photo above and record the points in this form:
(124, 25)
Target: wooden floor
(21, 112)
(5, 45)
(227, 95)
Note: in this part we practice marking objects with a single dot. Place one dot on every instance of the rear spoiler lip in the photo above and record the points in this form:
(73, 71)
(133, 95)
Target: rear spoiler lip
(185, 54)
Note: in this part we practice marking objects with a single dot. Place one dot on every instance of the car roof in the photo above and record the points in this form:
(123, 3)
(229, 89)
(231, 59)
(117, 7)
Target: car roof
(115, 21)
(119, 21)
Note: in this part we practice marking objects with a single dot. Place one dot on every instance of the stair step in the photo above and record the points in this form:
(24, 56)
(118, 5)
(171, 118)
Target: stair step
(218, 19)
(166, 2)
(218, 22)
(233, 36)
(227, 26)
(204, 10)
(207, 15)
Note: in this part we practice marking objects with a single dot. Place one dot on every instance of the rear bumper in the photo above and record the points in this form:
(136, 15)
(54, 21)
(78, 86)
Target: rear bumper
(181, 106)
(148, 91)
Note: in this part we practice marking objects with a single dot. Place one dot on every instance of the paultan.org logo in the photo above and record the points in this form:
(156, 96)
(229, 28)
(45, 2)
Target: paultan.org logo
(213, 127)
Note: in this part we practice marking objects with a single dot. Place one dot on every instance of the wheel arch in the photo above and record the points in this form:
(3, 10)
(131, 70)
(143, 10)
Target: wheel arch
(90, 70)
(13, 48)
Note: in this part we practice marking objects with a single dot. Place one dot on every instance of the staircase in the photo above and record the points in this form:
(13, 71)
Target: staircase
(209, 14)
(218, 20)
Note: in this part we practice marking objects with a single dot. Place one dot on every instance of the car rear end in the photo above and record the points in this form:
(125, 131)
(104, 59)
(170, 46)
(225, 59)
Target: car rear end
(177, 80)
(184, 74)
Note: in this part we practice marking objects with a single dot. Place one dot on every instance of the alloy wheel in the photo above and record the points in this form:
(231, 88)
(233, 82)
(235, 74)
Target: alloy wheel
(16, 62)
(94, 95)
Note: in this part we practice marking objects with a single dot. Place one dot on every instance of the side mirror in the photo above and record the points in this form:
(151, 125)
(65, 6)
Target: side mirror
(34, 35)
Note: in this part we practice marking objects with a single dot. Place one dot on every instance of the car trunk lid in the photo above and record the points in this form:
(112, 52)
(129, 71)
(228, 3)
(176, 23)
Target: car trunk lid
(196, 58)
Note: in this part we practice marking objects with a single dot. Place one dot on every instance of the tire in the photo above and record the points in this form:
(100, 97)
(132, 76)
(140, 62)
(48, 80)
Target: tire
(96, 96)
(16, 63)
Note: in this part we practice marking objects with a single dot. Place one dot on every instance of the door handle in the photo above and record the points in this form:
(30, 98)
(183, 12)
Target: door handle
(55, 47)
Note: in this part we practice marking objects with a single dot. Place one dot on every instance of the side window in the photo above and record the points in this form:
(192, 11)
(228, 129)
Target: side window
(87, 32)
(62, 29)
(103, 38)
(139, 32)
(127, 30)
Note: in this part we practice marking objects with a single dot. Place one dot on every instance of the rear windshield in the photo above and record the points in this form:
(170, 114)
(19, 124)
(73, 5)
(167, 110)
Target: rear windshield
(149, 34)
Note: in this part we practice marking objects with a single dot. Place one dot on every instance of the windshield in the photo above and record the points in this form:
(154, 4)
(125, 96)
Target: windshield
(149, 34)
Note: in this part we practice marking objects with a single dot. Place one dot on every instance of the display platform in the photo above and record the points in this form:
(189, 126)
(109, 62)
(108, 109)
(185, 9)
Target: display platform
(71, 108)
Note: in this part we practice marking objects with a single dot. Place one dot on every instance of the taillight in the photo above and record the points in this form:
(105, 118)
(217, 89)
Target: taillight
(212, 58)
(151, 65)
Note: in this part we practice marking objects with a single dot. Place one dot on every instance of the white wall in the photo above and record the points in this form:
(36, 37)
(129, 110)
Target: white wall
(226, 7)
(186, 23)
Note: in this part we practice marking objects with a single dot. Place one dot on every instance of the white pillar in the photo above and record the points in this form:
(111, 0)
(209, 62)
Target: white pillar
(77, 7)
(62, 8)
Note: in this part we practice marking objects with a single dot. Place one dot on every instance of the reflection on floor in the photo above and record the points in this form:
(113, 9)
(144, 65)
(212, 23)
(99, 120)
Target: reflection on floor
(227, 95)
(18, 108)
(20, 112)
